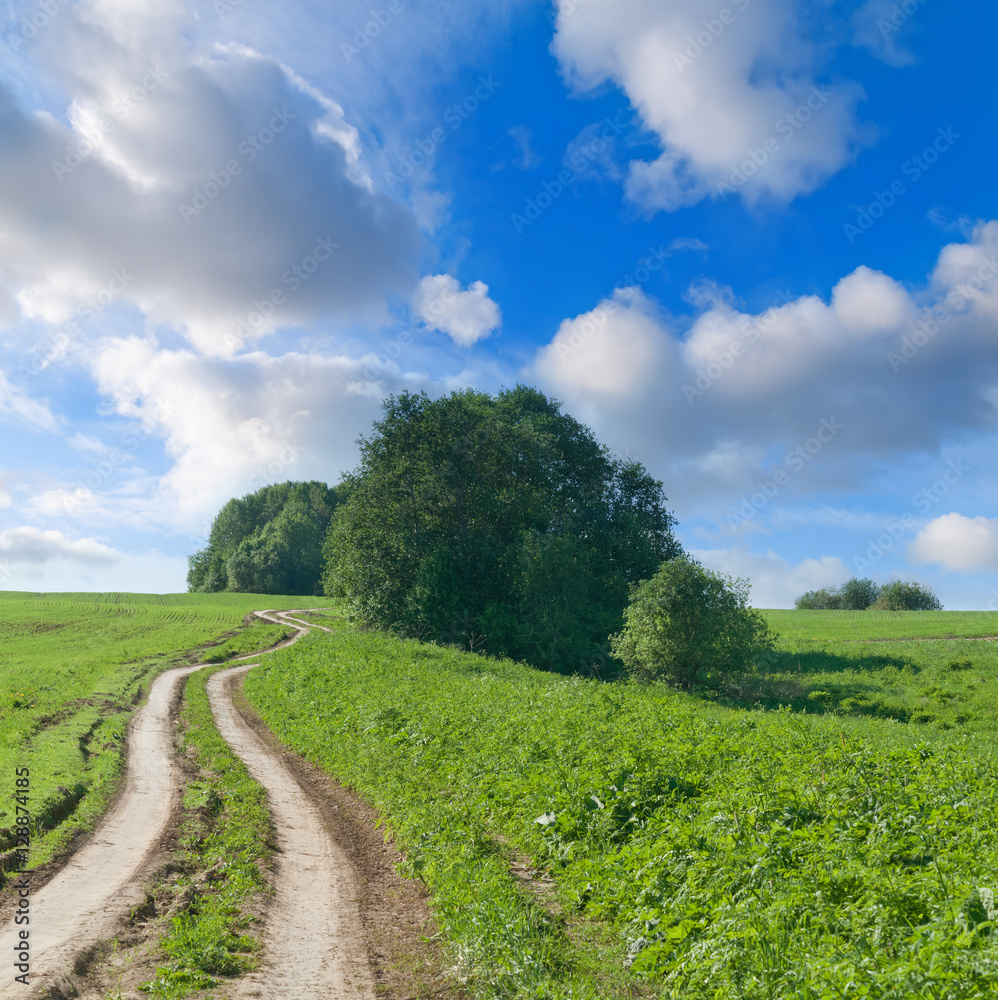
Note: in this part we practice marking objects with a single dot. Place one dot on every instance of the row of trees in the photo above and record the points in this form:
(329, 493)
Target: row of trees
(501, 524)
(268, 542)
(860, 595)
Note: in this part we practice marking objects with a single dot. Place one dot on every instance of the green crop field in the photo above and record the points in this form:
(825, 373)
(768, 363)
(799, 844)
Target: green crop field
(859, 625)
(825, 828)
(71, 669)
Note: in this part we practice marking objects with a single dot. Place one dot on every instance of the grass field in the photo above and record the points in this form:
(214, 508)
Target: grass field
(859, 625)
(825, 827)
(71, 669)
(705, 847)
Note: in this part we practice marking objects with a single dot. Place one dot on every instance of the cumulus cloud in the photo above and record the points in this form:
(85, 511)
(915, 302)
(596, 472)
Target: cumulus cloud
(724, 395)
(34, 546)
(231, 425)
(736, 104)
(958, 543)
(613, 349)
(466, 316)
(776, 582)
(216, 191)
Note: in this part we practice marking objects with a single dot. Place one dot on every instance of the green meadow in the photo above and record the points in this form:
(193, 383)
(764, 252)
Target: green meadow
(824, 828)
(873, 625)
(73, 667)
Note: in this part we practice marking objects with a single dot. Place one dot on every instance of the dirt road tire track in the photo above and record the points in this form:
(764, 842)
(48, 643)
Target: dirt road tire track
(314, 941)
(83, 903)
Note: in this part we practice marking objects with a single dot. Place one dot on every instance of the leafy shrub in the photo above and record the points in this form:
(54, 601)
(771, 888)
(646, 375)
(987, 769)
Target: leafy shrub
(687, 621)
(904, 595)
(859, 594)
(826, 599)
(267, 542)
(853, 595)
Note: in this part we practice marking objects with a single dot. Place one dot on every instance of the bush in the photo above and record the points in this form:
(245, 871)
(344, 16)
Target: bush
(853, 595)
(826, 599)
(687, 622)
(858, 595)
(905, 595)
(267, 542)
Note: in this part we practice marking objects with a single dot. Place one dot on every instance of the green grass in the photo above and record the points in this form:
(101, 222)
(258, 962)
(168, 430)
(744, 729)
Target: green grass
(71, 669)
(699, 850)
(945, 684)
(859, 625)
(258, 636)
(225, 830)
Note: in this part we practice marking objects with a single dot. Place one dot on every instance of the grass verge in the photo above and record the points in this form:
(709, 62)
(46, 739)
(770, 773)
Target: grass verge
(254, 638)
(224, 849)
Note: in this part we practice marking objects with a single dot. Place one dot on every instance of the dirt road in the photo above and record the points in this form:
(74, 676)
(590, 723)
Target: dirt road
(314, 946)
(82, 903)
(312, 927)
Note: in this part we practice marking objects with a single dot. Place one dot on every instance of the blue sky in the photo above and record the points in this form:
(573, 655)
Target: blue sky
(750, 242)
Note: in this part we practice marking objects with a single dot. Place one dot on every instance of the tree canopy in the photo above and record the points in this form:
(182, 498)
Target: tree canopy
(267, 542)
(496, 522)
(687, 623)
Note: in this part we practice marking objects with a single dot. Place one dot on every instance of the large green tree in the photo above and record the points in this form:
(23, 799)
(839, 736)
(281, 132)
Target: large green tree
(496, 522)
(267, 542)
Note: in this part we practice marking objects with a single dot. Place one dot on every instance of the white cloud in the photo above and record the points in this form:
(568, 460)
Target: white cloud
(149, 572)
(876, 25)
(611, 350)
(717, 94)
(34, 546)
(16, 406)
(869, 302)
(230, 426)
(726, 393)
(958, 543)
(266, 166)
(466, 316)
(776, 583)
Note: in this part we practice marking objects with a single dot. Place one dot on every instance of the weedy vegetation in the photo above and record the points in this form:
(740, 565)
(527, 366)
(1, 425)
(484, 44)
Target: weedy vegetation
(717, 844)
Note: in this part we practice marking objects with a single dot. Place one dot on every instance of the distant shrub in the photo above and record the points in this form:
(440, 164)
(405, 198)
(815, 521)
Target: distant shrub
(686, 622)
(904, 595)
(858, 595)
(826, 599)
(853, 595)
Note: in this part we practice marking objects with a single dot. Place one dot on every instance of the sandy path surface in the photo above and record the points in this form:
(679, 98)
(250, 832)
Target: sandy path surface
(83, 903)
(313, 945)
